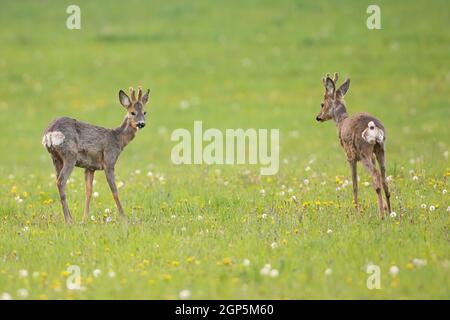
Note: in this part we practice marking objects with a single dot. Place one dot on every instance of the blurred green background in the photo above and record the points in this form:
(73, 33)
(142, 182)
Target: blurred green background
(231, 64)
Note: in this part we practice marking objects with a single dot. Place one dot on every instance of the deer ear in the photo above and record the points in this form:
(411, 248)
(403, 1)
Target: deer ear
(145, 97)
(343, 88)
(329, 86)
(124, 99)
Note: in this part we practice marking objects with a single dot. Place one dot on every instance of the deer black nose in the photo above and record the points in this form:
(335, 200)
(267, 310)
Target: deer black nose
(318, 118)
(140, 125)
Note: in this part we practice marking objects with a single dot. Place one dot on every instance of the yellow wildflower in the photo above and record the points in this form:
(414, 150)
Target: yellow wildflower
(227, 261)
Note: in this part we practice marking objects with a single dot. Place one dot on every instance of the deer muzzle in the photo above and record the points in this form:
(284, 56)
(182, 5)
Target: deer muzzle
(140, 124)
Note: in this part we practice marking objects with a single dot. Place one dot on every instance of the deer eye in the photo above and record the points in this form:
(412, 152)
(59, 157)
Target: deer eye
(145, 112)
(322, 104)
(133, 113)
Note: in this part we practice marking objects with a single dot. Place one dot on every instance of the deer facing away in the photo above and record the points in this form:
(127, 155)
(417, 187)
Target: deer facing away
(362, 137)
(74, 143)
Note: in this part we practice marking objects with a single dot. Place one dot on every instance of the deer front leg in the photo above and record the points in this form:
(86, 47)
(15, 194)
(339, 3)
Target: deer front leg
(61, 181)
(112, 185)
(369, 165)
(89, 178)
(355, 182)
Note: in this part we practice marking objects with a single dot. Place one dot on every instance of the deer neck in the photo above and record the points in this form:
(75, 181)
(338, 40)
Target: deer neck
(340, 114)
(125, 132)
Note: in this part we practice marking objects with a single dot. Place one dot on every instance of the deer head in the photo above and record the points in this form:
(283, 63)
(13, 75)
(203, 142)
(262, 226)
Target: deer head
(135, 106)
(332, 97)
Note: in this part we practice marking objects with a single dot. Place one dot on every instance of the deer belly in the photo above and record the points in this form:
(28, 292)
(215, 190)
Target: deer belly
(90, 160)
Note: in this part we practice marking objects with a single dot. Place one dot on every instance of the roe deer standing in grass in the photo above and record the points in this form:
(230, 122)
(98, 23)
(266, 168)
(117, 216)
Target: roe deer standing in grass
(362, 137)
(74, 143)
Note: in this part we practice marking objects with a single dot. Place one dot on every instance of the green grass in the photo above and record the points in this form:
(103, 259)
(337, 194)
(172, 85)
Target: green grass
(252, 65)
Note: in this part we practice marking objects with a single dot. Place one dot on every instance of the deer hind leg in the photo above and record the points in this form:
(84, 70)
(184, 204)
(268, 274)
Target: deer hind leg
(58, 163)
(379, 152)
(369, 164)
(89, 179)
(353, 166)
(112, 185)
(66, 170)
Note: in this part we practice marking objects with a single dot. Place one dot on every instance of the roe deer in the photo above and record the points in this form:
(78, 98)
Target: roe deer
(74, 143)
(361, 135)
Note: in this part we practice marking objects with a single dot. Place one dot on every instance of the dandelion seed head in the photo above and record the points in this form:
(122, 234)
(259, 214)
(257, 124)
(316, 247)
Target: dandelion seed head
(5, 296)
(23, 293)
(184, 294)
(394, 270)
(23, 273)
(274, 273)
(97, 273)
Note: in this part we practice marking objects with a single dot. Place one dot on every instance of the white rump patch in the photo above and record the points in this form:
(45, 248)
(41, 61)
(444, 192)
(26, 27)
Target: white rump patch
(373, 134)
(53, 138)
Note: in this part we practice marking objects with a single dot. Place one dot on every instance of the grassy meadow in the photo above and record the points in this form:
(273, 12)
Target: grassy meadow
(208, 232)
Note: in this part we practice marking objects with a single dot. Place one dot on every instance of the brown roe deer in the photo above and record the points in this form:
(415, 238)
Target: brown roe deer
(72, 143)
(362, 137)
